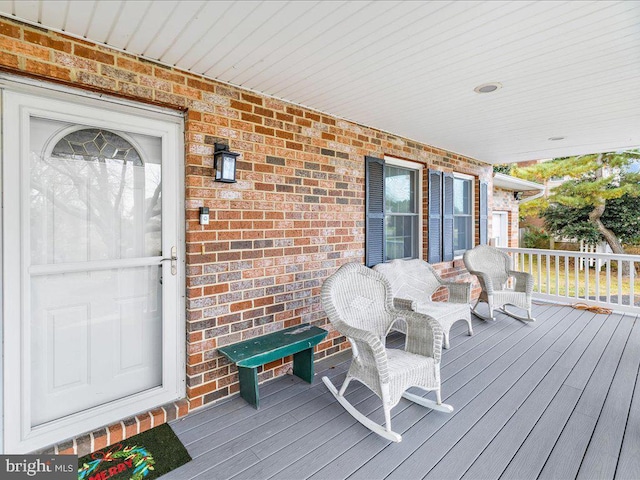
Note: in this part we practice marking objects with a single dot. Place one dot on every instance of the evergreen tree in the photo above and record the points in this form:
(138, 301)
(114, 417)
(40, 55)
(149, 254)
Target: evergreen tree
(598, 199)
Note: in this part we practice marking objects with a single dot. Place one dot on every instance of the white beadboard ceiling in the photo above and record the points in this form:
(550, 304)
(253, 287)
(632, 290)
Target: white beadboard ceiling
(569, 69)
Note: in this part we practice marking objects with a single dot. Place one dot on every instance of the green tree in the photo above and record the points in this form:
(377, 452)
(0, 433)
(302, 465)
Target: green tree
(599, 198)
(621, 216)
(503, 168)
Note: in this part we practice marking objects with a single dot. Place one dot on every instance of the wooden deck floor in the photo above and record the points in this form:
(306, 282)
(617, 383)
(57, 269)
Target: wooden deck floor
(555, 399)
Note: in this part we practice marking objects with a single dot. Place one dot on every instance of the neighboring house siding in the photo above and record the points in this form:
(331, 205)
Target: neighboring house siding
(294, 216)
(504, 201)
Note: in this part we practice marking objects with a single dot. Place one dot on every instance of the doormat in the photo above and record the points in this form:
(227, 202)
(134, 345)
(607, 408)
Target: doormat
(147, 455)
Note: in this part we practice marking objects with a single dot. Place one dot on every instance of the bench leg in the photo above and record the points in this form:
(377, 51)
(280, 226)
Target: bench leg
(249, 385)
(303, 365)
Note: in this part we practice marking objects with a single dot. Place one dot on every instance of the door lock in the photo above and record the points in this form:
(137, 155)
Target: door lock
(173, 260)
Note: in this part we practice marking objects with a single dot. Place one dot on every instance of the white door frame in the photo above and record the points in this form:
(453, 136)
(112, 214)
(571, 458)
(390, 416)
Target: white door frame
(17, 105)
(503, 215)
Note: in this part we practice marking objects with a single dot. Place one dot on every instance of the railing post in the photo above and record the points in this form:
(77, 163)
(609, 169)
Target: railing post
(632, 281)
(566, 276)
(586, 280)
(548, 279)
(597, 275)
(619, 302)
(557, 261)
(576, 277)
(608, 280)
(539, 257)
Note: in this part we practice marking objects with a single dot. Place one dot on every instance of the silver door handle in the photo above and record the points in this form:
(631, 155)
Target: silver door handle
(173, 260)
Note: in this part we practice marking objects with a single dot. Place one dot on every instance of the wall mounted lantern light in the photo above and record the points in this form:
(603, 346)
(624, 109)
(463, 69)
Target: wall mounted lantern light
(517, 195)
(224, 163)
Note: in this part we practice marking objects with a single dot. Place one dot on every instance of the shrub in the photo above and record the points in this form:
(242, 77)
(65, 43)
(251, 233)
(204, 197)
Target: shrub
(535, 238)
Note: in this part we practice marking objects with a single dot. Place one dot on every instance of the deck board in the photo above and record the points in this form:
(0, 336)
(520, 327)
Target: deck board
(502, 400)
(506, 423)
(495, 457)
(336, 431)
(350, 460)
(495, 377)
(601, 457)
(584, 385)
(520, 393)
(629, 460)
(470, 374)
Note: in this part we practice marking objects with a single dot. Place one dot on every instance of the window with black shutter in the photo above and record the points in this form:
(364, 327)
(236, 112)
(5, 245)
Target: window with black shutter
(484, 212)
(450, 230)
(374, 206)
(462, 212)
(392, 210)
(449, 221)
(393, 213)
(434, 247)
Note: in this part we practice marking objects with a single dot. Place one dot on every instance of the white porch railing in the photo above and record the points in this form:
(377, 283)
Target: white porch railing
(581, 277)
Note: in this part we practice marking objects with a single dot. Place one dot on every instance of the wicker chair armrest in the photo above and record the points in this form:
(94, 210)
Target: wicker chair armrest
(458, 292)
(486, 283)
(424, 335)
(524, 281)
(369, 348)
(404, 304)
(361, 336)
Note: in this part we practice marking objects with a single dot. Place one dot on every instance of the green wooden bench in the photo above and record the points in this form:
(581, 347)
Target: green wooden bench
(250, 354)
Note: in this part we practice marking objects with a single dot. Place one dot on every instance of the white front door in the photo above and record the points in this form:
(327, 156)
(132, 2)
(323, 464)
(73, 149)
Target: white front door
(500, 229)
(91, 246)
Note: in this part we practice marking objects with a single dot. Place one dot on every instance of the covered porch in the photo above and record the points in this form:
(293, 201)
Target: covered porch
(552, 399)
(307, 95)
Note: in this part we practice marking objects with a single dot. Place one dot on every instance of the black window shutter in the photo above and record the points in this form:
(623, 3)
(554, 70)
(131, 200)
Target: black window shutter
(435, 217)
(484, 212)
(374, 207)
(447, 217)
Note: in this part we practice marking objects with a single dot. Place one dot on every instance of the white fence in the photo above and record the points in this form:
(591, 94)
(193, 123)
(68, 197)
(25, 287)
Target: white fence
(562, 276)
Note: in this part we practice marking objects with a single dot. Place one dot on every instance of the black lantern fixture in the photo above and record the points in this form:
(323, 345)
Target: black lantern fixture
(224, 163)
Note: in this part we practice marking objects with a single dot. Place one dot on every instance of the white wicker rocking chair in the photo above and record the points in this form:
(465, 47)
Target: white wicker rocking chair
(493, 269)
(413, 282)
(359, 304)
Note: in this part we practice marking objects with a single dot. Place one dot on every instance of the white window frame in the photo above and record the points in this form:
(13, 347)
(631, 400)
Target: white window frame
(419, 168)
(472, 179)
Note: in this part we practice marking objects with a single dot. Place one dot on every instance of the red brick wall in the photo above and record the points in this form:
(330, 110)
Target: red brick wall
(294, 216)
